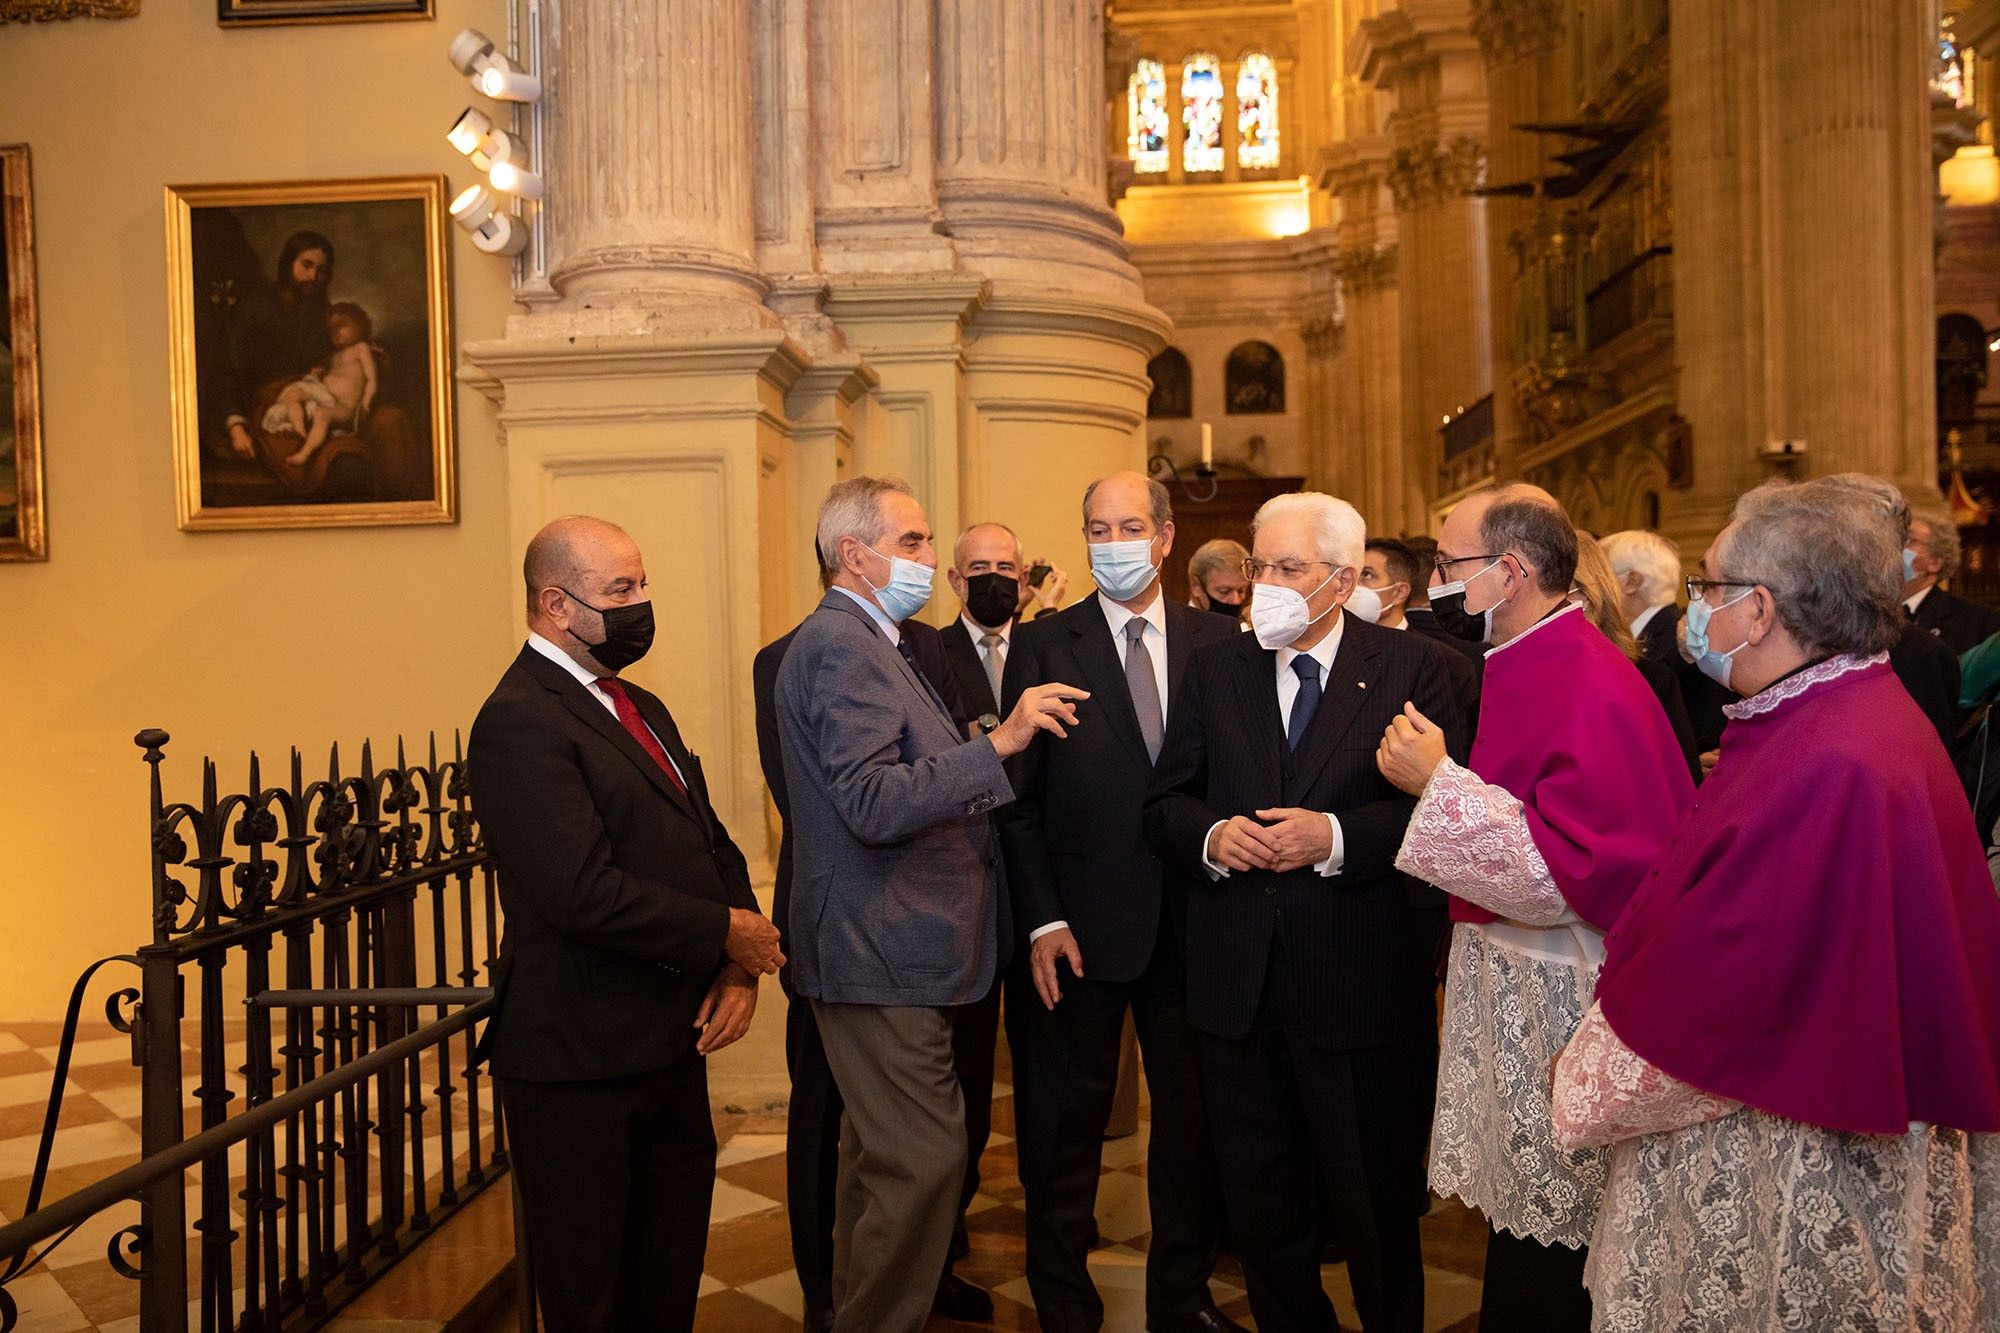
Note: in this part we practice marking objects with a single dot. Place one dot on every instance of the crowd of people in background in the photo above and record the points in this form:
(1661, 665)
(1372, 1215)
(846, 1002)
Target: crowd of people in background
(1699, 860)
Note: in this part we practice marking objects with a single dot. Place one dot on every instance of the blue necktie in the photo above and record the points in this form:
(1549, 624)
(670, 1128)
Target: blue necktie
(1305, 702)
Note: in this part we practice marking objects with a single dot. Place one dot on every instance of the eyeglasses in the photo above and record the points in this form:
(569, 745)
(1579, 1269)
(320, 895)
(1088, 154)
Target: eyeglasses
(1699, 588)
(1254, 569)
(1440, 563)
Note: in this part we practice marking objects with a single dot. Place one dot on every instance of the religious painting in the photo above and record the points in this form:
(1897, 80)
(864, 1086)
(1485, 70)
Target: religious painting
(311, 345)
(267, 13)
(42, 11)
(23, 526)
(1173, 392)
(1253, 379)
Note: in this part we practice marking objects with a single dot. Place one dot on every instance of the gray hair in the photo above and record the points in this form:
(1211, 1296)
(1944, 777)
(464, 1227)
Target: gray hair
(1540, 532)
(1890, 502)
(1944, 541)
(1827, 559)
(853, 508)
(1339, 531)
(1656, 560)
(1214, 556)
(1161, 502)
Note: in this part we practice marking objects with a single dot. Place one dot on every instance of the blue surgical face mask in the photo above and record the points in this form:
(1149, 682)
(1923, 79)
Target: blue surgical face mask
(909, 587)
(1123, 570)
(1909, 565)
(1694, 634)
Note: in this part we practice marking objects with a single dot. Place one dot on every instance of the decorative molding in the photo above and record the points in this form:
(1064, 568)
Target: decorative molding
(1431, 172)
(44, 11)
(1510, 30)
(1366, 269)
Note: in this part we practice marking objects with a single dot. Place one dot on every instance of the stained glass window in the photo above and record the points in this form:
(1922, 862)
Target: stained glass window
(1146, 104)
(1257, 112)
(1201, 113)
(1953, 75)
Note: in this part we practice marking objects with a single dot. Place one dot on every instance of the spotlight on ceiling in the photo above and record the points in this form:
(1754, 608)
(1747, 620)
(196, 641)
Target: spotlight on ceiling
(477, 209)
(491, 72)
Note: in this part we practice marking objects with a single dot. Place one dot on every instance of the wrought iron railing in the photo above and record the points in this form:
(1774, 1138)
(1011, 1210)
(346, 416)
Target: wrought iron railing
(361, 1129)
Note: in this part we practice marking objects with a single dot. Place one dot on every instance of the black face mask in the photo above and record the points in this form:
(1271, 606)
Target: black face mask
(628, 633)
(1216, 604)
(992, 599)
(1455, 620)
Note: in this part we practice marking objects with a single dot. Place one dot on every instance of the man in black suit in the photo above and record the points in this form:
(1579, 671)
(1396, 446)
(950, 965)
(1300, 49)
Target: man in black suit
(1311, 960)
(1106, 932)
(1933, 557)
(991, 580)
(812, 1119)
(1392, 569)
(632, 945)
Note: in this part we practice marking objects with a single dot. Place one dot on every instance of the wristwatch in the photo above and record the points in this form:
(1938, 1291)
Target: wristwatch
(987, 722)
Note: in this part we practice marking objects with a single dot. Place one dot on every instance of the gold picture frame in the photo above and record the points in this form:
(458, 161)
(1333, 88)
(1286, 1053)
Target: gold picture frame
(271, 13)
(311, 349)
(44, 11)
(23, 517)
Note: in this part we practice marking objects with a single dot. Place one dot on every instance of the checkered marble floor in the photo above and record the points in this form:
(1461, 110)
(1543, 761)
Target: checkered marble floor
(749, 1285)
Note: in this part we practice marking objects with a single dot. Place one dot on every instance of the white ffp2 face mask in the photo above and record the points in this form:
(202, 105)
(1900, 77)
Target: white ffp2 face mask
(1279, 615)
(1364, 603)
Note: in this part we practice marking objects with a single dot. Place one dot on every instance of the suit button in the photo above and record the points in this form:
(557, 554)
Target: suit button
(992, 861)
(1270, 890)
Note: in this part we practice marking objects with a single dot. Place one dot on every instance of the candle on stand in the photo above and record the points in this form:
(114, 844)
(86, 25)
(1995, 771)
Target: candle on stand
(1207, 445)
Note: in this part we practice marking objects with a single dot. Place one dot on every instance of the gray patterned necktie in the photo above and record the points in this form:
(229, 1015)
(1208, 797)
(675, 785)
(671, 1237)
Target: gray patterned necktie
(1144, 686)
(992, 645)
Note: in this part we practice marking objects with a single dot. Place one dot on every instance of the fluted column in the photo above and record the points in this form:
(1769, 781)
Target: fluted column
(1803, 310)
(649, 145)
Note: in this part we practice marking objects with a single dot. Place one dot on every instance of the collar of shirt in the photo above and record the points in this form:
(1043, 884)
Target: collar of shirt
(1646, 618)
(875, 613)
(1549, 619)
(1117, 616)
(570, 664)
(979, 631)
(1321, 652)
(1916, 599)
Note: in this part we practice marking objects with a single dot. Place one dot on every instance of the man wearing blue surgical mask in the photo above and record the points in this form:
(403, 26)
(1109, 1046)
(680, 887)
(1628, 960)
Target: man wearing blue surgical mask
(1105, 926)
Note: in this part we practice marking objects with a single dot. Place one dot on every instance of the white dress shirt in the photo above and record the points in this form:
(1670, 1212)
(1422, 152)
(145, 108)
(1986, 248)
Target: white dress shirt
(1916, 599)
(1155, 635)
(1645, 618)
(1288, 691)
(591, 683)
(875, 613)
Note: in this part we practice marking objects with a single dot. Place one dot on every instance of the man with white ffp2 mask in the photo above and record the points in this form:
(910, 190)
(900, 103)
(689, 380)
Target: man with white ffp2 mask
(1311, 963)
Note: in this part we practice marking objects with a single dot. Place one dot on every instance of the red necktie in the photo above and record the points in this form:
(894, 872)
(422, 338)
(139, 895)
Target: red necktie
(628, 717)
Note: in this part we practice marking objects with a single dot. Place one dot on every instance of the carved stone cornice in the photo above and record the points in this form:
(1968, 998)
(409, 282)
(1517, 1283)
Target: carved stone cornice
(1431, 172)
(1369, 269)
(1510, 30)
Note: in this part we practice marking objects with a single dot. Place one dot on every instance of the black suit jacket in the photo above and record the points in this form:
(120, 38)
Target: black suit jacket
(616, 885)
(1660, 640)
(1349, 961)
(1074, 839)
(1962, 624)
(1424, 621)
(1928, 669)
(1466, 672)
(928, 646)
(968, 673)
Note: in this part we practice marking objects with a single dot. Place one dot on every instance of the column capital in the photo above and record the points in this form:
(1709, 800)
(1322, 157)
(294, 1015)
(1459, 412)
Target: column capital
(1366, 269)
(1510, 30)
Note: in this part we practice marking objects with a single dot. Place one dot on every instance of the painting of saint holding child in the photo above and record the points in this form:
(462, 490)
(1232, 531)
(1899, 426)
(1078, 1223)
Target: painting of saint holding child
(312, 354)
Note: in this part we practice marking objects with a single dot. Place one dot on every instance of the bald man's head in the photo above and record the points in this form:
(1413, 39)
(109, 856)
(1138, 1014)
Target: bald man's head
(577, 568)
(1528, 521)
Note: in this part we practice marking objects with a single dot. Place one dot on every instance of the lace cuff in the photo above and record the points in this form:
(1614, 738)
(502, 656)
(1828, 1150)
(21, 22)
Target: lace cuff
(1472, 841)
(1604, 1091)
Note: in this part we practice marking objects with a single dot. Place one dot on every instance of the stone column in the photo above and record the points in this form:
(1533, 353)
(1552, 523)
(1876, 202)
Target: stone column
(1423, 55)
(1803, 308)
(649, 142)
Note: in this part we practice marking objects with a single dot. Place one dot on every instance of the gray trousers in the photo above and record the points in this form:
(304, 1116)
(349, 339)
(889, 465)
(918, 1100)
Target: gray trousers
(902, 1161)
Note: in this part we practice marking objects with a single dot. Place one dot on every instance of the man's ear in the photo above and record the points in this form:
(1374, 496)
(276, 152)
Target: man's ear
(1630, 583)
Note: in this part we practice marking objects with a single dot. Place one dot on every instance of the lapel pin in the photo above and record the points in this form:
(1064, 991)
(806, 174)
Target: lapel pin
(1362, 683)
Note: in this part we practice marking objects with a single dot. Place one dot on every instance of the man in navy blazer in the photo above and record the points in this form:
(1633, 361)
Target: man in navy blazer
(895, 891)
(1311, 960)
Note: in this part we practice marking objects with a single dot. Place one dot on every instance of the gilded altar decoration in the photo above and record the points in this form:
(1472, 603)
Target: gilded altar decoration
(43, 11)
(311, 347)
(23, 522)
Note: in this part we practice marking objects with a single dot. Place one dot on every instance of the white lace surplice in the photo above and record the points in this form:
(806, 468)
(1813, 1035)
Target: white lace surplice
(1516, 990)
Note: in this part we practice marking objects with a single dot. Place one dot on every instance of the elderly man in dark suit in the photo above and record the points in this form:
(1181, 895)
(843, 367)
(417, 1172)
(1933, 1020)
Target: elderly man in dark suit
(1106, 930)
(1933, 553)
(1311, 960)
(632, 945)
(895, 898)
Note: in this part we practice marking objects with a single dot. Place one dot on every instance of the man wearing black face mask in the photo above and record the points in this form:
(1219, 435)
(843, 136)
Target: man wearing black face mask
(991, 581)
(632, 949)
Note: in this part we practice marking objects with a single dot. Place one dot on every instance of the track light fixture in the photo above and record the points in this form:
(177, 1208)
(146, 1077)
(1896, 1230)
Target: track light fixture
(491, 72)
(497, 233)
